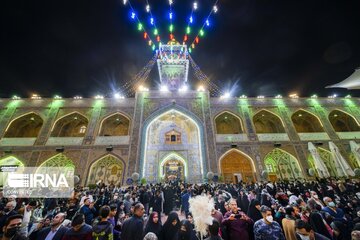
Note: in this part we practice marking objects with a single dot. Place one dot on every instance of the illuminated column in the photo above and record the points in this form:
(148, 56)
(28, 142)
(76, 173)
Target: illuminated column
(95, 115)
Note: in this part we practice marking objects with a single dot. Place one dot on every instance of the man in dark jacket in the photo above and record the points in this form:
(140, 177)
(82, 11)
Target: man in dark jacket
(88, 210)
(56, 231)
(7, 212)
(103, 230)
(132, 228)
(79, 229)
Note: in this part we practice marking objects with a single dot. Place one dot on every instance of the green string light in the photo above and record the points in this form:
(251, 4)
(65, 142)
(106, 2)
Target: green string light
(171, 28)
(201, 32)
(156, 32)
(188, 30)
(140, 26)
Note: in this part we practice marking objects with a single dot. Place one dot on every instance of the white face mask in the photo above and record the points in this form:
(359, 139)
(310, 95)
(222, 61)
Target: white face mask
(304, 237)
(316, 196)
(269, 219)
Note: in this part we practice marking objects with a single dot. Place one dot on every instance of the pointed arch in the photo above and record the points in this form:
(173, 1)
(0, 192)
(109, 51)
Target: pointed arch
(116, 124)
(27, 125)
(342, 121)
(73, 124)
(109, 169)
(234, 162)
(11, 160)
(173, 156)
(59, 160)
(306, 122)
(148, 161)
(268, 122)
(280, 164)
(227, 122)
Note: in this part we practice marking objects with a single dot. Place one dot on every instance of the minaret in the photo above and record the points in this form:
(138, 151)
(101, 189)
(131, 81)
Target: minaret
(173, 65)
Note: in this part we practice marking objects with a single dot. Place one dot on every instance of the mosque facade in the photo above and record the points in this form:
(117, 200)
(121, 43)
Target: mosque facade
(184, 135)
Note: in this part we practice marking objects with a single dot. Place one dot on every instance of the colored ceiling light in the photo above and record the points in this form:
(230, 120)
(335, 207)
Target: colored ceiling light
(150, 42)
(171, 27)
(148, 8)
(191, 19)
(145, 35)
(156, 32)
(197, 40)
(207, 22)
(185, 38)
(133, 15)
(152, 21)
(188, 30)
(201, 32)
(158, 38)
(153, 47)
(140, 26)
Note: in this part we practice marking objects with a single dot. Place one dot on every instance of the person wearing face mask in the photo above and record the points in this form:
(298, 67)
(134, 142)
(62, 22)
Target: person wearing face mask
(335, 212)
(305, 232)
(6, 213)
(11, 228)
(266, 228)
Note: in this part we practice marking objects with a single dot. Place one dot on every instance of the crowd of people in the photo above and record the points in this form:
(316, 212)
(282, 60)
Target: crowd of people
(307, 210)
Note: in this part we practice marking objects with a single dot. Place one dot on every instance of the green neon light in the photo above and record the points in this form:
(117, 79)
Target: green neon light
(279, 102)
(98, 103)
(13, 104)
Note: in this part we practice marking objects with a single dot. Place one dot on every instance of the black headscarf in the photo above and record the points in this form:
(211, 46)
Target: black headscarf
(169, 231)
(153, 227)
(189, 234)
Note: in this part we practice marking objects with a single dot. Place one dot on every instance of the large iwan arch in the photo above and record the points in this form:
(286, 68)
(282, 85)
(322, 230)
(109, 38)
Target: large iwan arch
(155, 145)
(235, 165)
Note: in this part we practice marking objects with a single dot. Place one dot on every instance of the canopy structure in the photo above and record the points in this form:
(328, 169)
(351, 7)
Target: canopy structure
(318, 162)
(343, 169)
(355, 149)
(352, 82)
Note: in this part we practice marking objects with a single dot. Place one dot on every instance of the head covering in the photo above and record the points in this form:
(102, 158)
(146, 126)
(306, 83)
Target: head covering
(150, 236)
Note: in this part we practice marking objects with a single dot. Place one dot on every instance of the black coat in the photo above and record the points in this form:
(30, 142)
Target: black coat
(132, 229)
(41, 235)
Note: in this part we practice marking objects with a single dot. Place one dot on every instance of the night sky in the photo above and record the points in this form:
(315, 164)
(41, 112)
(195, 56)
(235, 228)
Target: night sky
(255, 47)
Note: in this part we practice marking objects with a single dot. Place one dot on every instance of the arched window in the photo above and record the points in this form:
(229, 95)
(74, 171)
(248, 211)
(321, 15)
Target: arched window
(72, 125)
(228, 123)
(115, 125)
(343, 122)
(306, 122)
(267, 122)
(26, 126)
